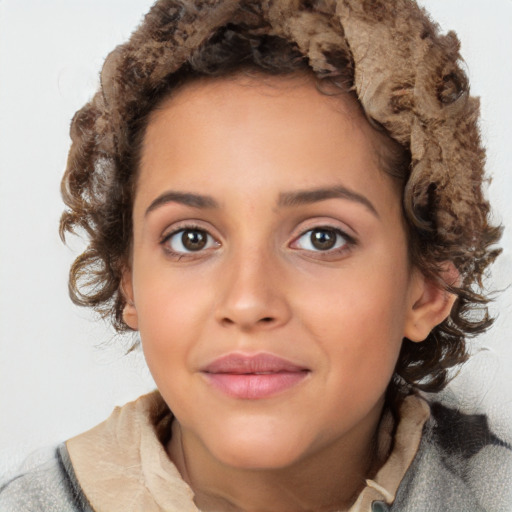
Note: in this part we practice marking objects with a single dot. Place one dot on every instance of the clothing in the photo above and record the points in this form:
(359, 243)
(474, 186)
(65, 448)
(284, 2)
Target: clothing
(446, 461)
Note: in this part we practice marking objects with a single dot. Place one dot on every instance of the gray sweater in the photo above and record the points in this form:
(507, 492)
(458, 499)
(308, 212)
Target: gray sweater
(460, 466)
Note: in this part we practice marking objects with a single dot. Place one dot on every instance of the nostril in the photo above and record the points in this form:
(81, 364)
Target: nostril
(265, 320)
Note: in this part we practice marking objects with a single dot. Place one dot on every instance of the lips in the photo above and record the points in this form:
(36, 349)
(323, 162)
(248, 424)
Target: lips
(253, 376)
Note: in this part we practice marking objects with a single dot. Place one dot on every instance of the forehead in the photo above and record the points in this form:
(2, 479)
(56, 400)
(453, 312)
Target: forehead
(247, 94)
(240, 96)
(243, 129)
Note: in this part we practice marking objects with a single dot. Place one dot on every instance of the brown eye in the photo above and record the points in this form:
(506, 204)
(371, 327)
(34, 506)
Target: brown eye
(194, 240)
(322, 239)
(189, 240)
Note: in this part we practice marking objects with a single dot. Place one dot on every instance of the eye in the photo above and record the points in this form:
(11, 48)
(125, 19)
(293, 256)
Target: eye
(188, 240)
(322, 239)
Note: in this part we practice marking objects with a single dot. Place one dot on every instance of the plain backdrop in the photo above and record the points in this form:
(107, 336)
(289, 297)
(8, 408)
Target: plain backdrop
(62, 370)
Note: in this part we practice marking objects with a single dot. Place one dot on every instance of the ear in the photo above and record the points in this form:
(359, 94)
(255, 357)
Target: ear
(429, 304)
(129, 312)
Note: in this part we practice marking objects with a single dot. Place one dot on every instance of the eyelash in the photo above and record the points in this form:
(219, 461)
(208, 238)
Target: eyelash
(164, 242)
(349, 242)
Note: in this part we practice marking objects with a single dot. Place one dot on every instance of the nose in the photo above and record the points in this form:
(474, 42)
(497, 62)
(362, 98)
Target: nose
(252, 294)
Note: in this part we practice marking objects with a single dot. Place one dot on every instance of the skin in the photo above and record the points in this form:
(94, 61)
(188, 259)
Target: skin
(259, 285)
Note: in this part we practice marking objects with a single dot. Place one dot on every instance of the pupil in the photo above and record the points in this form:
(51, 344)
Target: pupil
(323, 239)
(193, 240)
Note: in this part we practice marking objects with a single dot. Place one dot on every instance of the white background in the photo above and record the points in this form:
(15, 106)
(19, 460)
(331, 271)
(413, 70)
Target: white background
(62, 370)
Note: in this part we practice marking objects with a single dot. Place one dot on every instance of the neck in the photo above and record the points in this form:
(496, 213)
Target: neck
(330, 479)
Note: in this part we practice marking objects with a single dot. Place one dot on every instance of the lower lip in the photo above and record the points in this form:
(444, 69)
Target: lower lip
(251, 386)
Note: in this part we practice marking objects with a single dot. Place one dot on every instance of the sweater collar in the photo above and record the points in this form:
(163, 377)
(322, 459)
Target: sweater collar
(122, 466)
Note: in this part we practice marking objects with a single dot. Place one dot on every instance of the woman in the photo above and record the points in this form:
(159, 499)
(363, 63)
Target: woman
(285, 201)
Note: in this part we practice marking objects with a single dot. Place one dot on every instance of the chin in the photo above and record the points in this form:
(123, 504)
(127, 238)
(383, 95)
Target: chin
(259, 458)
(258, 450)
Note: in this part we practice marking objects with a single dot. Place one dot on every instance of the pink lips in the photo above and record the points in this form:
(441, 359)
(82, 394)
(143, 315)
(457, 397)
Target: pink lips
(253, 376)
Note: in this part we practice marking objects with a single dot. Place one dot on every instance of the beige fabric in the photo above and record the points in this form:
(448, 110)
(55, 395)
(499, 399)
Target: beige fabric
(122, 465)
(414, 412)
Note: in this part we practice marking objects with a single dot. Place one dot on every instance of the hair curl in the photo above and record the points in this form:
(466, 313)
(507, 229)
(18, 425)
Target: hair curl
(405, 74)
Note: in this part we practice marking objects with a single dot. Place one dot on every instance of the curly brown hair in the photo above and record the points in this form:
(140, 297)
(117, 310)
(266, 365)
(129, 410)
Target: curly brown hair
(387, 53)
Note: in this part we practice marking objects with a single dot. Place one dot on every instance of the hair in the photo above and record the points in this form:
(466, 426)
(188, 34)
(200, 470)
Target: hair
(408, 79)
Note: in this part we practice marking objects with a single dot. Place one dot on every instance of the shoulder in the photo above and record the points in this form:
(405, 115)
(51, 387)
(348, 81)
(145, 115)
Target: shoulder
(461, 465)
(44, 487)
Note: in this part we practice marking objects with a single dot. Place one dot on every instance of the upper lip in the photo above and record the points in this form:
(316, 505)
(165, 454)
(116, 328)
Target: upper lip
(236, 363)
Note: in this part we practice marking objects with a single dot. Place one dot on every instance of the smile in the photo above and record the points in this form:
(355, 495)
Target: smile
(253, 377)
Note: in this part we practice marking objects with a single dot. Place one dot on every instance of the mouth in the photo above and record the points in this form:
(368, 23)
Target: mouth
(253, 377)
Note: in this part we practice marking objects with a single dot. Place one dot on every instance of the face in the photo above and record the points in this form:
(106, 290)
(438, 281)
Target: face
(269, 274)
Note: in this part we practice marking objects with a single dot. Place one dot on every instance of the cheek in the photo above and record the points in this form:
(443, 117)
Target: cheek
(361, 339)
(366, 298)
(358, 319)
(172, 312)
(361, 349)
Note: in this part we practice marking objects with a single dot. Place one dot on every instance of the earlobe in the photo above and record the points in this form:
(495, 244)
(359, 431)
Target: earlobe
(430, 303)
(129, 311)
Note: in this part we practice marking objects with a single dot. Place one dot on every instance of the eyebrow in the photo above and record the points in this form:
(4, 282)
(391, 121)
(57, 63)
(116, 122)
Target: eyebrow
(186, 198)
(287, 199)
